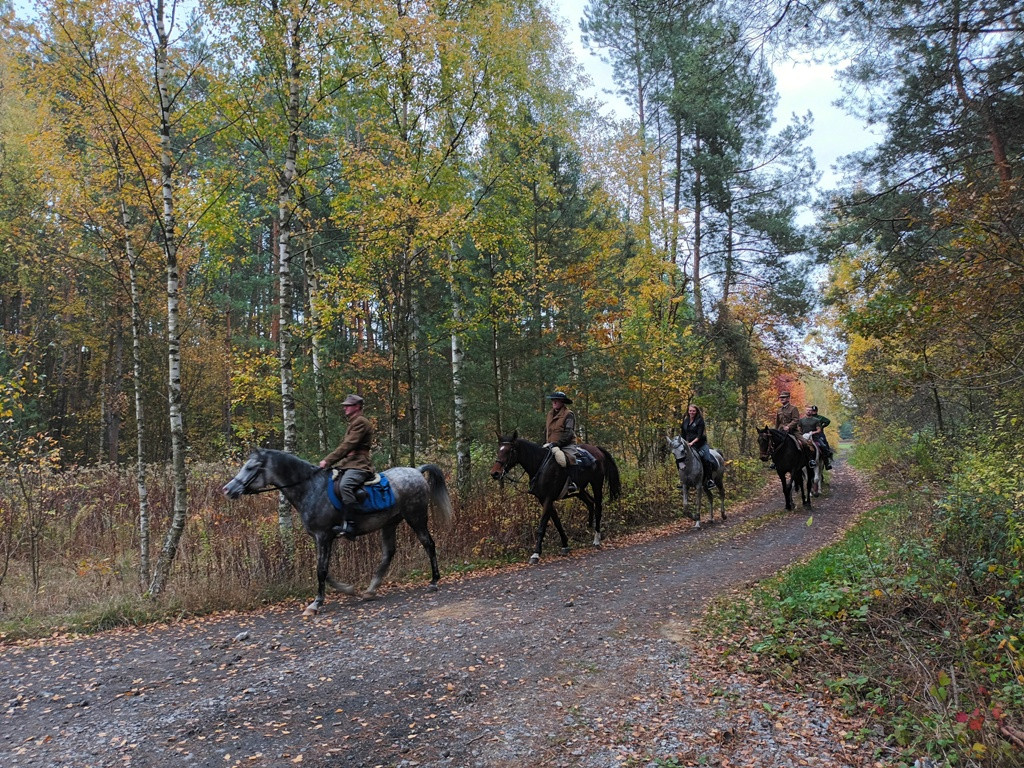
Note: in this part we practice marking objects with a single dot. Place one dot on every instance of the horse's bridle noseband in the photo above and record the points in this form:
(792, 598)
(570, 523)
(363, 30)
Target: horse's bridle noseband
(509, 460)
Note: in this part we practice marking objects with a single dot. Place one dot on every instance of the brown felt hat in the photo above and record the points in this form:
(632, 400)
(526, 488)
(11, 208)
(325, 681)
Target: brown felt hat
(560, 396)
(783, 394)
(352, 400)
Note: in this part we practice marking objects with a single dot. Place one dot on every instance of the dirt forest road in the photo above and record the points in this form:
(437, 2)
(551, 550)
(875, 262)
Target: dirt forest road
(584, 660)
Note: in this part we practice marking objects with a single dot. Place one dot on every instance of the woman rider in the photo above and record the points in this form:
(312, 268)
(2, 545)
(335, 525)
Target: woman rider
(695, 434)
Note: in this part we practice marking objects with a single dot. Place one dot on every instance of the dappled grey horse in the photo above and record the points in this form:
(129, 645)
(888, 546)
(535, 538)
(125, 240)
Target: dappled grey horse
(305, 486)
(691, 475)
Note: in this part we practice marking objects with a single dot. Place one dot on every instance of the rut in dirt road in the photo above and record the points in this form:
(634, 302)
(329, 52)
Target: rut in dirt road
(580, 661)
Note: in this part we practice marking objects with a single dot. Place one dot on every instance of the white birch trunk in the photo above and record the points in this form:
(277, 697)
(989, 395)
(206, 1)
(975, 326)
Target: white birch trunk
(140, 416)
(284, 216)
(316, 344)
(170, 246)
(462, 454)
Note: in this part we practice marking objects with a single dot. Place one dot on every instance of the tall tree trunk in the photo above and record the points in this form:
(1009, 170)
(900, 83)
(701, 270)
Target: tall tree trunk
(744, 420)
(170, 248)
(462, 456)
(285, 214)
(316, 346)
(698, 302)
(979, 105)
(497, 383)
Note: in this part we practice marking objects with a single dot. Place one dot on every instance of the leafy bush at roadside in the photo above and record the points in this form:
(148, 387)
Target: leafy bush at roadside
(917, 616)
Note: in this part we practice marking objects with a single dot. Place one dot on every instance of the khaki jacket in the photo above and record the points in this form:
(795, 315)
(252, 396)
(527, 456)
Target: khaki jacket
(354, 450)
(561, 427)
(788, 418)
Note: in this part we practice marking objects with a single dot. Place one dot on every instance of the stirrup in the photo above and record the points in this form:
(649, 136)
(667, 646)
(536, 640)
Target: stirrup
(346, 529)
(812, 463)
(571, 488)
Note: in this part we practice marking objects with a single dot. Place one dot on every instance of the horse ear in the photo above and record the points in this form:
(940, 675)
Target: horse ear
(515, 435)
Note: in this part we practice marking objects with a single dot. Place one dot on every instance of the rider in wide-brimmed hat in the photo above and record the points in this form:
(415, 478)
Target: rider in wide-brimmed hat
(353, 459)
(560, 434)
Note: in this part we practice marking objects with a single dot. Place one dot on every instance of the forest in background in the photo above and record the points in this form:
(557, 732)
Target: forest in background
(220, 218)
(216, 219)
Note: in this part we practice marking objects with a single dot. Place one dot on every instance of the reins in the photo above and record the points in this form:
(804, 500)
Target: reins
(246, 490)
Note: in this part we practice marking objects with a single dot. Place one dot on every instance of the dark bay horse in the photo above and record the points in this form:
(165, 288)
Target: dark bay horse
(305, 486)
(548, 480)
(691, 475)
(789, 458)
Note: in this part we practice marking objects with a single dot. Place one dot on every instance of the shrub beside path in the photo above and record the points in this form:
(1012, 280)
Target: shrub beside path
(587, 660)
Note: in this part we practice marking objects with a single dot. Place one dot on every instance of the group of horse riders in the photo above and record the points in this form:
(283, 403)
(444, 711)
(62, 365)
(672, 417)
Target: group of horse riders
(810, 428)
(353, 460)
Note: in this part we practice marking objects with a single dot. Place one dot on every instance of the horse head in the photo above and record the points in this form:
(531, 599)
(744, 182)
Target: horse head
(766, 446)
(680, 449)
(250, 477)
(507, 455)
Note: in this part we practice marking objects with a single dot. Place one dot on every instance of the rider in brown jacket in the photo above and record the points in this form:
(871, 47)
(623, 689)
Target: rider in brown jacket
(560, 433)
(788, 420)
(353, 459)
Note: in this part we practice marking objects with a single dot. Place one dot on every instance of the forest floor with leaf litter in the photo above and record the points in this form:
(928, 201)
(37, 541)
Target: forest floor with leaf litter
(588, 661)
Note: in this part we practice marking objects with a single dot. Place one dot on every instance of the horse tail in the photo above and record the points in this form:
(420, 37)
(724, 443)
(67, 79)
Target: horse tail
(438, 491)
(611, 475)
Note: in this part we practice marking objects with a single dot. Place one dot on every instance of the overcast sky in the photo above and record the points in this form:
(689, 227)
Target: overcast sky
(802, 87)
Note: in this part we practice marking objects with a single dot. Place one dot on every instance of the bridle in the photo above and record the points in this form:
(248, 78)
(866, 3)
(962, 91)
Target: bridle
(772, 447)
(680, 460)
(511, 458)
(246, 490)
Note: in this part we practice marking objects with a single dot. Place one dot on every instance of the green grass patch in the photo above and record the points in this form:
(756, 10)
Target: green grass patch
(915, 618)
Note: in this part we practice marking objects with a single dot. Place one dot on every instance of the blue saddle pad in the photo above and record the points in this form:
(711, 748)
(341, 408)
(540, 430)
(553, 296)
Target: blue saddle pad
(379, 495)
(585, 458)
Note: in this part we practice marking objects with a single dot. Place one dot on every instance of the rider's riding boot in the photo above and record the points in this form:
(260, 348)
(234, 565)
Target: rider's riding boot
(348, 526)
(572, 487)
(346, 529)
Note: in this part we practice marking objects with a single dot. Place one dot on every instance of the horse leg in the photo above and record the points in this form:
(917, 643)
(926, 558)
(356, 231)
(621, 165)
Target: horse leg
(805, 487)
(324, 543)
(423, 534)
(721, 494)
(388, 543)
(593, 514)
(545, 516)
(787, 489)
(561, 531)
(711, 504)
(598, 508)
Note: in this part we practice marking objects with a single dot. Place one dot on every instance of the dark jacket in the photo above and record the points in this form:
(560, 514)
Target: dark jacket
(788, 417)
(694, 430)
(561, 427)
(354, 450)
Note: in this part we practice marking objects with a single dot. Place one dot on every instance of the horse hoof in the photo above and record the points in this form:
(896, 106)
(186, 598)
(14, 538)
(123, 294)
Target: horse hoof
(310, 611)
(565, 550)
(368, 596)
(534, 558)
(432, 588)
